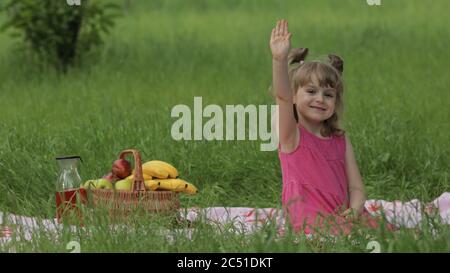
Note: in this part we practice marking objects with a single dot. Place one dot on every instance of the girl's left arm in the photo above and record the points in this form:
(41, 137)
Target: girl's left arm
(356, 188)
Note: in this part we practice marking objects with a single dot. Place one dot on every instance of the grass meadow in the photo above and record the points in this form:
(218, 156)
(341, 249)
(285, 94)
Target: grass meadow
(164, 53)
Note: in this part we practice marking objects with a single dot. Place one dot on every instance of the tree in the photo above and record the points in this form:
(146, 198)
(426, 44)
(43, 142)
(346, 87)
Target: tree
(57, 31)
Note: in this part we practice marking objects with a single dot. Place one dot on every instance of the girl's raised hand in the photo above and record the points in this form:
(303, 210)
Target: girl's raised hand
(280, 41)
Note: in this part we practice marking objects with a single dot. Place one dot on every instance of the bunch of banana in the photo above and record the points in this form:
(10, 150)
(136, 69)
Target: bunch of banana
(160, 175)
(159, 169)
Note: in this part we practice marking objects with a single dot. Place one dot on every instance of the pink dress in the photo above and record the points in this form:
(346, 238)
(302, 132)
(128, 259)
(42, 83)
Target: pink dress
(315, 184)
(314, 179)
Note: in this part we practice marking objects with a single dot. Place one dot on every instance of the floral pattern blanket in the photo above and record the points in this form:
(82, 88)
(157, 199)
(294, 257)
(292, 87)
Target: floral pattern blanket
(246, 219)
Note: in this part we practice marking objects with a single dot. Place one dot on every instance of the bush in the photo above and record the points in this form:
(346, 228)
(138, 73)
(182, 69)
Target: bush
(56, 31)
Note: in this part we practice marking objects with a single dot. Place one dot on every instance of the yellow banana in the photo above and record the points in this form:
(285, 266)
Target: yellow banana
(173, 172)
(176, 185)
(154, 170)
(151, 184)
(190, 189)
(145, 176)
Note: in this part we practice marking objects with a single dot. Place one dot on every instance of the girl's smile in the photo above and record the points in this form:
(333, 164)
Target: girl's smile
(318, 108)
(315, 103)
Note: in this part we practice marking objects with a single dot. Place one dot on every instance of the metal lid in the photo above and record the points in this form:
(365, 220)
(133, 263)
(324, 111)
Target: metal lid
(69, 157)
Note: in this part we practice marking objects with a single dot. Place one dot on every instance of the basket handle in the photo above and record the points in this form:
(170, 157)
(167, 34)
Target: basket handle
(138, 177)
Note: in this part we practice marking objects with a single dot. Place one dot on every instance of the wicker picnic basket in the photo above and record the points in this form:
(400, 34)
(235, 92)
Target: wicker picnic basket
(121, 203)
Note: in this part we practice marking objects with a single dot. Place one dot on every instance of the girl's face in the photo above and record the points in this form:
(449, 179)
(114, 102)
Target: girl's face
(314, 103)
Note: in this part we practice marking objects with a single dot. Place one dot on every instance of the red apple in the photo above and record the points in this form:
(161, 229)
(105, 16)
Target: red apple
(121, 168)
(110, 177)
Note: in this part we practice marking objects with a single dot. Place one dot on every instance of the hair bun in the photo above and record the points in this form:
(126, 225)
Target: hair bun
(297, 55)
(336, 62)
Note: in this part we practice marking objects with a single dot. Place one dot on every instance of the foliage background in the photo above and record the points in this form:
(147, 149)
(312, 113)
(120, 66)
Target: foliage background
(163, 53)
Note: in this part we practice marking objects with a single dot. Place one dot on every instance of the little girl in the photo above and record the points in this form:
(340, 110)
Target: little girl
(320, 173)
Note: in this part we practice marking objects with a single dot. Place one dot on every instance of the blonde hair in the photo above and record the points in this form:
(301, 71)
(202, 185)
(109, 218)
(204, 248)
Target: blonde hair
(327, 74)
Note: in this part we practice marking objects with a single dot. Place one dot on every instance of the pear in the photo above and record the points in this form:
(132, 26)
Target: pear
(90, 184)
(104, 183)
(101, 183)
(124, 185)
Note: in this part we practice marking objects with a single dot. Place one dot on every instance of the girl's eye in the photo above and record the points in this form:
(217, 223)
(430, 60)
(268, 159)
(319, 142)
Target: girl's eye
(310, 91)
(329, 95)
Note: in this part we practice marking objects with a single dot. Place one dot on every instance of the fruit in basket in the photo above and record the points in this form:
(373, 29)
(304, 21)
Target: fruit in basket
(124, 185)
(190, 189)
(90, 184)
(121, 168)
(155, 170)
(151, 185)
(171, 170)
(145, 176)
(101, 183)
(110, 177)
(104, 183)
(176, 185)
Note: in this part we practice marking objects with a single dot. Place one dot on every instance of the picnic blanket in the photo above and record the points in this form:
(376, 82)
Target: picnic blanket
(246, 219)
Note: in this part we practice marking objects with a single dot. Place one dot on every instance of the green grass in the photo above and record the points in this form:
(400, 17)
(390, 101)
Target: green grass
(164, 53)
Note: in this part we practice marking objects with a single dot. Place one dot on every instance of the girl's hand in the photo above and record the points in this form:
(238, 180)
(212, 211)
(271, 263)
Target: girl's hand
(280, 42)
(350, 214)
